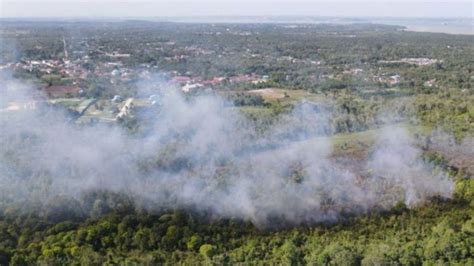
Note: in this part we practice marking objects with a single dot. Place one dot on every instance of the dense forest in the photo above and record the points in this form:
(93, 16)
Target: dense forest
(440, 232)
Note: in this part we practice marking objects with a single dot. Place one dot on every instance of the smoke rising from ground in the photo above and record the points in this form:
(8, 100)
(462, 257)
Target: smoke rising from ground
(201, 154)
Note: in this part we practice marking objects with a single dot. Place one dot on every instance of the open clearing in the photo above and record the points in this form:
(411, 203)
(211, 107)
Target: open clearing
(290, 96)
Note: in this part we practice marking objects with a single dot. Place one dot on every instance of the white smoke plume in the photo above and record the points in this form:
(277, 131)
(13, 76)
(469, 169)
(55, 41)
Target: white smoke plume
(203, 155)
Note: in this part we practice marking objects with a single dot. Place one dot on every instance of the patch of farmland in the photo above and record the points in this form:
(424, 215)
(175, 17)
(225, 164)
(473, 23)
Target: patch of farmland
(274, 94)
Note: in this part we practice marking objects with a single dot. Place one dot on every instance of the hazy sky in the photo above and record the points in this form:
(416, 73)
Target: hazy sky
(167, 8)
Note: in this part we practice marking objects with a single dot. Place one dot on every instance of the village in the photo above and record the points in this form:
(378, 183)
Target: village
(98, 81)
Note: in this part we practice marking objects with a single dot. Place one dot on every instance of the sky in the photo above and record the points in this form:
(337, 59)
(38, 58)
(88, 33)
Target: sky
(203, 8)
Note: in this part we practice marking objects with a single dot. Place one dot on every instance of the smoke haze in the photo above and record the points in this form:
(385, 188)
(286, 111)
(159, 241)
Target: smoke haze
(201, 154)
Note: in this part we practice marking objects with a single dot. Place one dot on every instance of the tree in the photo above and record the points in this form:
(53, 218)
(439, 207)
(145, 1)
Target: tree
(194, 242)
(207, 250)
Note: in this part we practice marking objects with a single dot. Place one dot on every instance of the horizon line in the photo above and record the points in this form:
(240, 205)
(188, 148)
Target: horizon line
(87, 17)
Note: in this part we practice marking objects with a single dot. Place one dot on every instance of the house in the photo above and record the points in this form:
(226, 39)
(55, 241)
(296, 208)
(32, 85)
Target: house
(192, 87)
(181, 79)
(213, 82)
(430, 83)
(394, 79)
